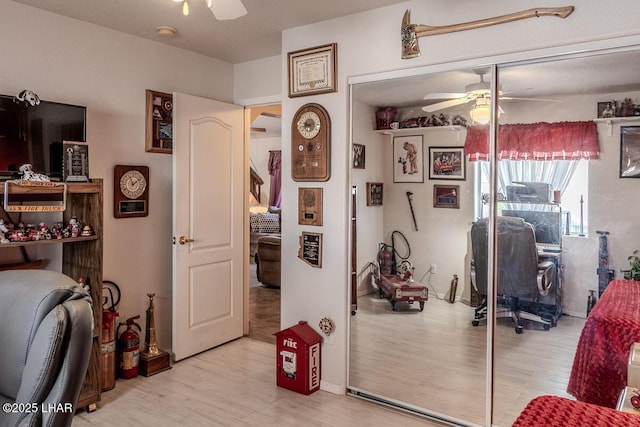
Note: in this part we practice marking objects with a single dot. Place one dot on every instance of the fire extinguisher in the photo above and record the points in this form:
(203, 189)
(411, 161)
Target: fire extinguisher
(108, 338)
(385, 259)
(453, 289)
(129, 349)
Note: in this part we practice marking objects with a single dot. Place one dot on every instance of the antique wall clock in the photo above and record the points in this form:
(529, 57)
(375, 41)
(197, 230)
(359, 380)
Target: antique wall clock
(311, 144)
(130, 191)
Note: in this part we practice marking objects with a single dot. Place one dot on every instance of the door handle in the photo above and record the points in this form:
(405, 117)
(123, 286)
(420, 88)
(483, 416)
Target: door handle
(183, 240)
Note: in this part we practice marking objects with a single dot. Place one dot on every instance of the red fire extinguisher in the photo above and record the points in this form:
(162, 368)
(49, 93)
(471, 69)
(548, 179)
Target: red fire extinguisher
(111, 298)
(385, 259)
(129, 349)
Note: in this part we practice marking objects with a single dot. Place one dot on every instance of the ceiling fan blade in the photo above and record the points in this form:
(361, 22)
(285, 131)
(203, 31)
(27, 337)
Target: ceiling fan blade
(445, 104)
(445, 95)
(511, 98)
(228, 9)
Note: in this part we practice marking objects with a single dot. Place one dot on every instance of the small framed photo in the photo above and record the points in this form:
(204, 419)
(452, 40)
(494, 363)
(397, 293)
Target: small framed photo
(358, 156)
(312, 71)
(408, 159)
(374, 193)
(629, 151)
(602, 106)
(159, 122)
(446, 196)
(447, 163)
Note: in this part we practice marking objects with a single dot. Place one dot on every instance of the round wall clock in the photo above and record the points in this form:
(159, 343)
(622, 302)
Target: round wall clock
(311, 144)
(130, 191)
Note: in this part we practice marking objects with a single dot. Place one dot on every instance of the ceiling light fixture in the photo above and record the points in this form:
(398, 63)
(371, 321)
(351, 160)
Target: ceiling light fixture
(481, 111)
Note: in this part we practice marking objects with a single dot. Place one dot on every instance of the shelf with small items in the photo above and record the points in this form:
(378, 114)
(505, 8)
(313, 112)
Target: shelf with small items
(609, 121)
(49, 241)
(406, 131)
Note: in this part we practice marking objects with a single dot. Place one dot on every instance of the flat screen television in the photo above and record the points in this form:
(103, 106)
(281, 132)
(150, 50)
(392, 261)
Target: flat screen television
(35, 134)
(546, 225)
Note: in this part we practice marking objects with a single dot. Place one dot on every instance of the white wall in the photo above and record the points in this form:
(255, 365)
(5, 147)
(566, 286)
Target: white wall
(370, 42)
(258, 82)
(68, 61)
(369, 218)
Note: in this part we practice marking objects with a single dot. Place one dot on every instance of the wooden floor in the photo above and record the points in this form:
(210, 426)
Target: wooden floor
(232, 385)
(435, 359)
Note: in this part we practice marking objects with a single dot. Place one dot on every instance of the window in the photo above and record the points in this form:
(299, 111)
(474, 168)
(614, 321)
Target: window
(568, 176)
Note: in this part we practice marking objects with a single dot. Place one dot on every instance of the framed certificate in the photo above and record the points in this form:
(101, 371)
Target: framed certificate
(312, 71)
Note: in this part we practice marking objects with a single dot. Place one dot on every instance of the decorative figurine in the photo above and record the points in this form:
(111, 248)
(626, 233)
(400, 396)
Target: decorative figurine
(609, 111)
(74, 227)
(28, 98)
(86, 231)
(29, 175)
(3, 232)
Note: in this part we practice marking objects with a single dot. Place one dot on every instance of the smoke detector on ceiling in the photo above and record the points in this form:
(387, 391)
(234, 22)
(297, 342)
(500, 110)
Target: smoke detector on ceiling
(166, 31)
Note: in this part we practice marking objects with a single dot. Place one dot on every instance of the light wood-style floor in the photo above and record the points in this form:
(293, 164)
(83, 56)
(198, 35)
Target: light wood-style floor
(232, 385)
(435, 359)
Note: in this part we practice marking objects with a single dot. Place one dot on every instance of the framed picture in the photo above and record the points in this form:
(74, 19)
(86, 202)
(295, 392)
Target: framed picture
(602, 106)
(374, 193)
(358, 156)
(159, 122)
(408, 159)
(629, 151)
(312, 71)
(446, 196)
(309, 206)
(447, 163)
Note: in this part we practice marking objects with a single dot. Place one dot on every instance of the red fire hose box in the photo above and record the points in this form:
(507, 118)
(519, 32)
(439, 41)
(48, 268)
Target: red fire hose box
(298, 358)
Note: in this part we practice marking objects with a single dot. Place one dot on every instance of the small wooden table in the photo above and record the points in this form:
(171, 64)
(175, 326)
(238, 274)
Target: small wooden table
(396, 289)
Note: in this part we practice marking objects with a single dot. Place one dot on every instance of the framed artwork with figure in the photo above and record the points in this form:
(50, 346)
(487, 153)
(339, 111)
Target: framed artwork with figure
(447, 163)
(408, 159)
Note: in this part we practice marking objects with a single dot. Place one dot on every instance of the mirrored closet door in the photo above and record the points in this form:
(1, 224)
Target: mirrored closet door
(542, 170)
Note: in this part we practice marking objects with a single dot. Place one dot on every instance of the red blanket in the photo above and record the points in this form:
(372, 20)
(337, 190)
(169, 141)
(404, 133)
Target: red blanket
(554, 411)
(599, 371)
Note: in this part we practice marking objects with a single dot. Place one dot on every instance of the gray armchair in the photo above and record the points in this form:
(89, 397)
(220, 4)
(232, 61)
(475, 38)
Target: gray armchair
(521, 279)
(45, 342)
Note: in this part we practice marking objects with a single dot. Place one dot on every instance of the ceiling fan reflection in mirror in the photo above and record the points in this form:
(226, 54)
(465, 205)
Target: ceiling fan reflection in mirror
(479, 92)
(222, 9)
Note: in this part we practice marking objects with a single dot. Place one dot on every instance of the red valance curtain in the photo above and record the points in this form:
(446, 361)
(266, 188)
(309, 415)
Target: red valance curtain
(536, 141)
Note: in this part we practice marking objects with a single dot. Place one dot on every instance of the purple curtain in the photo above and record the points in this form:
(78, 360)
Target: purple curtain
(275, 194)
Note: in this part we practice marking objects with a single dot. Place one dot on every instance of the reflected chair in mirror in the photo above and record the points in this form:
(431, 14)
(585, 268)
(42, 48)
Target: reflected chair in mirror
(521, 279)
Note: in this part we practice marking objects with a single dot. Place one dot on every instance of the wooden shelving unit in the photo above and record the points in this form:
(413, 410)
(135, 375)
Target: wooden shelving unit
(81, 258)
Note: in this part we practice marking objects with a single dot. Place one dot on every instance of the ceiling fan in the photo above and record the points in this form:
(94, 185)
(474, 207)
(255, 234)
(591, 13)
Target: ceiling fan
(221, 9)
(479, 92)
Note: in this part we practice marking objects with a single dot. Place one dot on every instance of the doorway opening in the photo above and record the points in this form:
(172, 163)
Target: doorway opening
(264, 221)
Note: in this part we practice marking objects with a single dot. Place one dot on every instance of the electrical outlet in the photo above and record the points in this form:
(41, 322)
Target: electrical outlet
(433, 269)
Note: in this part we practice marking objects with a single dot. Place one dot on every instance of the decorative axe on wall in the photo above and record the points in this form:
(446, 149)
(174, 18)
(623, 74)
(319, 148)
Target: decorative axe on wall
(412, 32)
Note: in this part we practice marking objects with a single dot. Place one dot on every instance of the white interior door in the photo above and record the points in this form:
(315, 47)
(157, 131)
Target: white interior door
(208, 216)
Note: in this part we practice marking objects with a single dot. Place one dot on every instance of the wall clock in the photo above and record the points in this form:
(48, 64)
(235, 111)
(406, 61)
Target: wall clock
(311, 144)
(130, 191)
